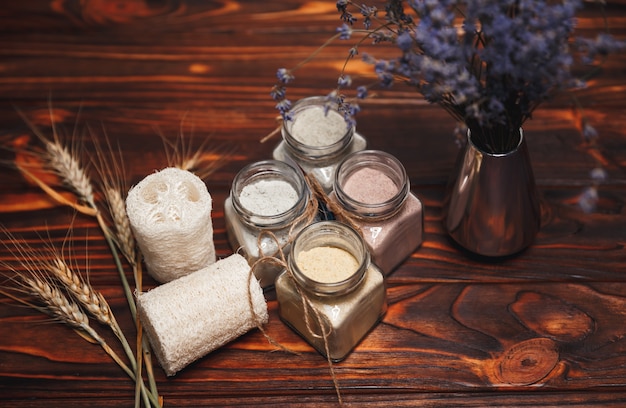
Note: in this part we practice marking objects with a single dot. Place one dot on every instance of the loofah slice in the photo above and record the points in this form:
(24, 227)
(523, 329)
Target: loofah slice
(170, 214)
(189, 317)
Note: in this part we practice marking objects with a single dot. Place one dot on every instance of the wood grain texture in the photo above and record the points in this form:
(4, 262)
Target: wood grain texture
(544, 328)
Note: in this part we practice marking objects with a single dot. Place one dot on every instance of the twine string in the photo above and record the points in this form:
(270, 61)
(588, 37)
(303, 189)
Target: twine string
(257, 320)
(307, 307)
(278, 258)
(338, 211)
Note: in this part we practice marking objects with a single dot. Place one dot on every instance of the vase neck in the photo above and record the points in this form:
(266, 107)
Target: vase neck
(497, 140)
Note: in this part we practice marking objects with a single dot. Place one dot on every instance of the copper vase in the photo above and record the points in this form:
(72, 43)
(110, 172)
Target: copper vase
(491, 206)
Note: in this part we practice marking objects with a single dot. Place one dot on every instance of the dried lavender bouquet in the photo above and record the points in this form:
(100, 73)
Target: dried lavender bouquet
(488, 63)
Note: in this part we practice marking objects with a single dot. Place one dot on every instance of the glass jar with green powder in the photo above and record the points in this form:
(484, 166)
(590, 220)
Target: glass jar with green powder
(317, 138)
(330, 267)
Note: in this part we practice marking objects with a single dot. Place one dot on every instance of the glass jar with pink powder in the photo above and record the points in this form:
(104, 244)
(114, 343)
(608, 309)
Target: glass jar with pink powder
(317, 138)
(268, 196)
(373, 190)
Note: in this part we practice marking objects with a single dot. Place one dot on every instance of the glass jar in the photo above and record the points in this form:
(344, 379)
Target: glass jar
(270, 196)
(317, 138)
(330, 263)
(373, 189)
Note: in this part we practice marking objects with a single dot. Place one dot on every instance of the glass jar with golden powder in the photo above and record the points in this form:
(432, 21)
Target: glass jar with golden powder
(344, 293)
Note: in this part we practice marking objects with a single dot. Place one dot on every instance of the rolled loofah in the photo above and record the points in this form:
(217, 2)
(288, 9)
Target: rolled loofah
(189, 317)
(170, 214)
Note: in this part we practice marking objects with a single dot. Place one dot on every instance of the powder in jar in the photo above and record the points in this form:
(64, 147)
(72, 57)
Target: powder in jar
(370, 186)
(268, 197)
(327, 264)
(317, 127)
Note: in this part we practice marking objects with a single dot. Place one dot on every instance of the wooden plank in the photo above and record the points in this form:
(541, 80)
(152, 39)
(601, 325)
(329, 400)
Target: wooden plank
(544, 328)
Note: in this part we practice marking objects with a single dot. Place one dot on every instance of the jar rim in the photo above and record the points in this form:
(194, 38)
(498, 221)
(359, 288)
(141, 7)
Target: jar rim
(270, 169)
(382, 161)
(333, 234)
(312, 152)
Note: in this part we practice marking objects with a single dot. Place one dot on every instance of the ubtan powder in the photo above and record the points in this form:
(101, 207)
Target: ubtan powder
(327, 264)
(268, 197)
(370, 186)
(317, 127)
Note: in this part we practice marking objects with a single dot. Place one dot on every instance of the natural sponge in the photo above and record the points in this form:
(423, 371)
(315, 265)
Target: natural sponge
(170, 215)
(189, 317)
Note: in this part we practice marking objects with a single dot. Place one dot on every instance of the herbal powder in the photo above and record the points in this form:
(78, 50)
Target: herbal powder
(268, 197)
(370, 186)
(316, 126)
(327, 264)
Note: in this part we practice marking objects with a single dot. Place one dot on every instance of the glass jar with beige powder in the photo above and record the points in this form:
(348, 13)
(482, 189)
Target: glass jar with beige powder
(268, 196)
(373, 190)
(330, 266)
(317, 138)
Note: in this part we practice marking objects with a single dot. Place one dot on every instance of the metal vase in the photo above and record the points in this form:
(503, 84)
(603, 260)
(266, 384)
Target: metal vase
(492, 204)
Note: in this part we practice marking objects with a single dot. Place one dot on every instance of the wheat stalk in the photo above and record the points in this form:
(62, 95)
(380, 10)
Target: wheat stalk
(111, 168)
(65, 165)
(58, 306)
(124, 234)
(201, 161)
(67, 300)
(72, 171)
(64, 162)
(93, 302)
(55, 303)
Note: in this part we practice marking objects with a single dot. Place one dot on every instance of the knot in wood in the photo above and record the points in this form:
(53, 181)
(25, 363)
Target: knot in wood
(528, 362)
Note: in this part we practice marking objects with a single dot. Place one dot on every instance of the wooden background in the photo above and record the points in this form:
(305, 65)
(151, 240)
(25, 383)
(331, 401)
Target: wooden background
(140, 71)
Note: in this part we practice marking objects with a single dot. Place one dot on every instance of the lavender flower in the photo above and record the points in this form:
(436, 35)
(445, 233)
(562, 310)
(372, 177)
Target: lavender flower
(490, 73)
(589, 132)
(344, 81)
(361, 92)
(278, 92)
(598, 175)
(284, 75)
(284, 106)
(588, 199)
(346, 16)
(602, 45)
(345, 32)
(368, 13)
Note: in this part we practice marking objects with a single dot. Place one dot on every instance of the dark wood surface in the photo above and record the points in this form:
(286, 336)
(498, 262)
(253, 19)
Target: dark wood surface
(140, 71)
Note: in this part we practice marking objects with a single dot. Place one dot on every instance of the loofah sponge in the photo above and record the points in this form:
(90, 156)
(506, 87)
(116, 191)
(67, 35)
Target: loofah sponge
(189, 317)
(170, 214)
